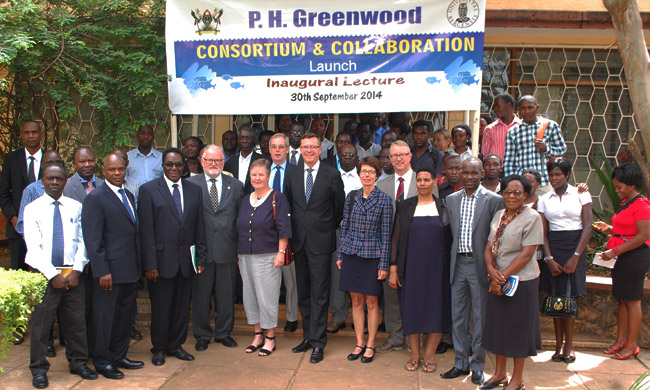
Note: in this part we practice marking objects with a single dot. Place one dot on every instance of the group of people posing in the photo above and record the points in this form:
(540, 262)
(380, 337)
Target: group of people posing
(433, 237)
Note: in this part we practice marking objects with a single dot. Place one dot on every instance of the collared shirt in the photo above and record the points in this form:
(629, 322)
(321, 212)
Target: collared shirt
(383, 176)
(37, 161)
(39, 232)
(564, 213)
(351, 180)
(326, 145)
(282, 170)
(170, 185)
(244, 163)
(84, 181)
(467, 208)
(218, 183)
(407, 182)
(30, 194)
(131, 185)
(372, 151)
(378, 133)
(115, 189)
(313, 174)
(291, 154)
(143, 168)
(465, 155)
(494, 137)
(520, 148)
(432, 158)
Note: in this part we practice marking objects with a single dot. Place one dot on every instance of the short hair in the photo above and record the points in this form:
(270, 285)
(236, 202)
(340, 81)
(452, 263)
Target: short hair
(364, 123)
(399, 142)
(74, 153)
(263, 133)
(393, 117)
(448, 157)
(422, 123)
(630, 174)
(463, 126)
(229, 131)
(488, 118)
(199, 140)
(534, 172)
(205, 148)
(261, 162)
(559, 162)
(427, 168)
(493, 155)
(527, 186)
(144, 127)
(445, 133)
(309, 134)
(527, 98)
(172, 150)
(340, 133)
(285, 139)
(507, 98)
(387, 147)
(371, 161)
(57, 164)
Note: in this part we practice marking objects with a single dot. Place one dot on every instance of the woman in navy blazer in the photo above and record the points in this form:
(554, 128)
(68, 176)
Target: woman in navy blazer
(364, 251)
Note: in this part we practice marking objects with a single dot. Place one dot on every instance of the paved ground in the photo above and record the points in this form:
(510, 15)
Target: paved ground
(230, 368)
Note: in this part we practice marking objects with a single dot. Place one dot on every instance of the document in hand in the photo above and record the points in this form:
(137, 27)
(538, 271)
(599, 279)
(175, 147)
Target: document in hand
(510, 286)
(598, 260)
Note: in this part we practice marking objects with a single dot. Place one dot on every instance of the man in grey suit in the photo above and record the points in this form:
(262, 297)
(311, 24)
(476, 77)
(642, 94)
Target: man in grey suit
(83, 181)
(399, 186)
(221, 197)
(470, 212)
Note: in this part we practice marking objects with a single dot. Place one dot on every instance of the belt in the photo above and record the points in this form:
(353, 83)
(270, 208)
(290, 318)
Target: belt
(466, 254)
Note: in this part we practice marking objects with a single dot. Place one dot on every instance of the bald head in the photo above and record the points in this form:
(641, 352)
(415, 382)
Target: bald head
(114, 169)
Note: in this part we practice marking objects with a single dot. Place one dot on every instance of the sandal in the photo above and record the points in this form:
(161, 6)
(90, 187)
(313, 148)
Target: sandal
(429, 367)
(412, 365)
(266, 352)
(252, 348)
(616, 347)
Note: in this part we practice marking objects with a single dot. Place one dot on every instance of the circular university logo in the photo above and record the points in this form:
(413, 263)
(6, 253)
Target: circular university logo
(462, 13)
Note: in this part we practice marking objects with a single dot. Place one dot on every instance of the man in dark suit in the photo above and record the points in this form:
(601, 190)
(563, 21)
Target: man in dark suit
(83, 181)
(171, 223)
(239, 163)
(111, 237)
(342, 138)
(221, 197)
(470, 212)
(315, 192)
(21, 168)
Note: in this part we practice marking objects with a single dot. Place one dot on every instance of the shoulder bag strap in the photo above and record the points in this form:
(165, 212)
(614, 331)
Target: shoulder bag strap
(273, 203)
(542, 128)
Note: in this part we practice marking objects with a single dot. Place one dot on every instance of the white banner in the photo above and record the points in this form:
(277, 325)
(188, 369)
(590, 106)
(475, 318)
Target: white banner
(261, 57)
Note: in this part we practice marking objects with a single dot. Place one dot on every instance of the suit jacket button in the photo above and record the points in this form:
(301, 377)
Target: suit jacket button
(250, 239)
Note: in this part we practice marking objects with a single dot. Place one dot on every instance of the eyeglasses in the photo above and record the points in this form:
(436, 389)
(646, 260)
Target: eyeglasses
(399, 155)
(212, 160)
(177, 164)
(310, 147)
(350, 155)
(510, 192)
(368, 172)
(299, 132)
(282, 146)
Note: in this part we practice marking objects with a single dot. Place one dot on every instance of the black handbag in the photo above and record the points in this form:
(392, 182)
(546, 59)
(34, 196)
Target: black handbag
(557, 306)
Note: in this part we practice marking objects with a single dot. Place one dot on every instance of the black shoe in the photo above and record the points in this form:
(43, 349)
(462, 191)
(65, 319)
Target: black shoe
(40, 381)
(110, 372)
(477, 377)
(227, 342)
(202, 345)
(50, 351)
(354, 356)
(317, 355)
(135, 334)
(368, 359)
(381, 327)
(181, 354)
(454, 373)
(493, 385)
(291, 326)
(129, 364)
(158, 358)
(304, 346)
(443, 347)
(84, 372)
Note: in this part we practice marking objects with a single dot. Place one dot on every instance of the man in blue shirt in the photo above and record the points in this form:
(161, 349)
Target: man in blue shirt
(145, 162)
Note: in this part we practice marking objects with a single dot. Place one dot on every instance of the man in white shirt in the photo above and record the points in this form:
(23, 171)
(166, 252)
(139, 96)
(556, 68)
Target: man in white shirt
(145, 159)
(296, 131)
(55, 247)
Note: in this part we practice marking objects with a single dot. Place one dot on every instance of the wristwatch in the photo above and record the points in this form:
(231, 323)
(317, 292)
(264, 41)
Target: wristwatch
(282, 251)
(547, 258)
(576, 254)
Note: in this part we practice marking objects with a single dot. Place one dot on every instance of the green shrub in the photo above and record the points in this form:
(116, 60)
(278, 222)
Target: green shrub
(20, 292)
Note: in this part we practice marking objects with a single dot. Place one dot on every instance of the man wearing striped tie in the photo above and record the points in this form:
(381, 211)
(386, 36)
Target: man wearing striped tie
(83, 181)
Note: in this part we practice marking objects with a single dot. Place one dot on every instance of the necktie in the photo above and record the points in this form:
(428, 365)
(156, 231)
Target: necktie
(31, 177)
(126, 204)
(310, 184)
(400, 189)
(57, 237)
(293, 157)
(277, 179)
(89, 187)
(214, 195)
(176, 194)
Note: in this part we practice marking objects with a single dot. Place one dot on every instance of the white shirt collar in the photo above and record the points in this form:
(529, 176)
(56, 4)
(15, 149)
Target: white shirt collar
(171, 183)
(37, 156)
(208, 178)
(315, 167)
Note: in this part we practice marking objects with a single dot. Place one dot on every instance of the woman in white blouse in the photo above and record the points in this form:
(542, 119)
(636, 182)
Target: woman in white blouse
(567, 227)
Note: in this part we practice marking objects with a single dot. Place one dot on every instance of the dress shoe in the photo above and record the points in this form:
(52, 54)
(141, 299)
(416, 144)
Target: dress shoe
(110, 372)
(354, 356)
(135, 334)
(181, 354)
(40, 381)
(388, 347)
(317, 355)
(454, 373)
(84, 372)
(158, 358)
(443, 347)
(304, 346)
(50, 351)
(368, 359)
(334, 327)
(129, 364)
(202, 345)
(477, 377)
(291, 326)
(227, 342)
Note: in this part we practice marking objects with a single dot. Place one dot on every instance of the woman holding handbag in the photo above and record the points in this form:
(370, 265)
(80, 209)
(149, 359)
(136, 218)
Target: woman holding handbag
(264, 229)
(512, 322)
(629, 242)
(566, 214)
